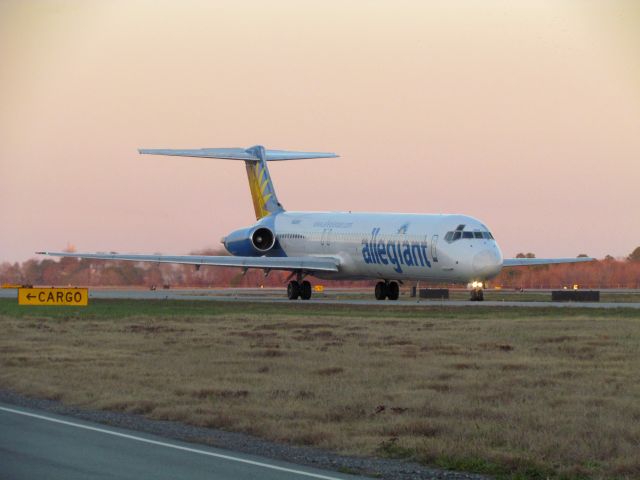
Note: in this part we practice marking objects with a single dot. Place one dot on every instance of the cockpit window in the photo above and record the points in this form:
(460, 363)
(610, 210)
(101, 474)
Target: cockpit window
(459, 233)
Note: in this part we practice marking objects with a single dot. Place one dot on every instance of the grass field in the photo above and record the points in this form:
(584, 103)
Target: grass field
(518, 393)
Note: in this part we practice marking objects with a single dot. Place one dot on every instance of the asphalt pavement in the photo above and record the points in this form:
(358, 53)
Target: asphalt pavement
(37, 444)
(273, 295)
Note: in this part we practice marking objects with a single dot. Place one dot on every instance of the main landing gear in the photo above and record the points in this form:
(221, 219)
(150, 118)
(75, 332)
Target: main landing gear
(389, 290)
(297, 289)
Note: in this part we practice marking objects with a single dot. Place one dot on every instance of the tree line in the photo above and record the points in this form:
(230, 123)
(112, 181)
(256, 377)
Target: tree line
(604, 273)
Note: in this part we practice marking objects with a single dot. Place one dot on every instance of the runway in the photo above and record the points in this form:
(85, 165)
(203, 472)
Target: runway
(273, 295)
(36, 444)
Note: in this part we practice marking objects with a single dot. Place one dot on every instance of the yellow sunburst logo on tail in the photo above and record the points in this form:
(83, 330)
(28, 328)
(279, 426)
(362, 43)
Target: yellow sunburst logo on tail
(259, 186)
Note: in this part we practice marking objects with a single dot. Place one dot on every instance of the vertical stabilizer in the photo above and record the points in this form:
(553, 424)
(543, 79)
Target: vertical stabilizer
(263, 193)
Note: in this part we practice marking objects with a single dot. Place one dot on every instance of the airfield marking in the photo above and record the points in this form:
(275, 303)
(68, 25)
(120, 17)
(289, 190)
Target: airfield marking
(170, 445)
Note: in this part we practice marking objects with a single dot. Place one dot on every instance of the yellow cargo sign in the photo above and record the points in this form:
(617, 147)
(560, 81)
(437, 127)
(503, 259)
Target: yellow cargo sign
(53, 296)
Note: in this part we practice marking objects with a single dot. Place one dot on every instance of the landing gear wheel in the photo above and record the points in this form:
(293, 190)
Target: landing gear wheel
(477, 295)
(293, 290)
(381, 291)
(305, 290)
(393, 290)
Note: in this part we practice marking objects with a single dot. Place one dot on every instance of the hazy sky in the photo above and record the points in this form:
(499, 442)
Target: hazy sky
(523, 114)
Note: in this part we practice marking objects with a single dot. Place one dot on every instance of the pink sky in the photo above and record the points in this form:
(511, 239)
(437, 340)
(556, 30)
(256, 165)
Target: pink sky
(523, 114)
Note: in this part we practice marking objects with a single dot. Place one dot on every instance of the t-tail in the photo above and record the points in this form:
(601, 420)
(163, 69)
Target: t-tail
(263, 193)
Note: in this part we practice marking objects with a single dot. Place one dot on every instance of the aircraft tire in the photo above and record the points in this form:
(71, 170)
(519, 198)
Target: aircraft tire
(293, 290)
(477, 295)
(381, 291)
(305, 290)
(393, 291)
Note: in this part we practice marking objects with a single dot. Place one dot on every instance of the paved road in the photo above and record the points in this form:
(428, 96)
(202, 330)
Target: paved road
(35, 444)
(279, 296)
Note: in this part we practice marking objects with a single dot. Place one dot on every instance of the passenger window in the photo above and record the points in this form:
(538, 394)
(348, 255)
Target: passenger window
(467, 234)
(477, 234)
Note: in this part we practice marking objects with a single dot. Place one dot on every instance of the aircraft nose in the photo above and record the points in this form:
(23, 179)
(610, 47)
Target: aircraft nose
(487, 263)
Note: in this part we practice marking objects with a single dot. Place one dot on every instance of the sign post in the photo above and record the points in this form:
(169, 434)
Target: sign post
(54, 296)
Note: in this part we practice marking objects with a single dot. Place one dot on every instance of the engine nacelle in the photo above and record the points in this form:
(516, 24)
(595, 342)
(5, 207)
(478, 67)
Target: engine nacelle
(250, 242)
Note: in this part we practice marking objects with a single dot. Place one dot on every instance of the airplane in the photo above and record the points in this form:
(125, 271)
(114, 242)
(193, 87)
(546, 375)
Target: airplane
(392, 248)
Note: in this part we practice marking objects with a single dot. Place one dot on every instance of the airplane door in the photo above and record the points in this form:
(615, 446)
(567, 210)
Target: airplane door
(434, 248)
(325, 239)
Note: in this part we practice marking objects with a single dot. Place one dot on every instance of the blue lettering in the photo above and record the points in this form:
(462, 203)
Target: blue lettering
(382, 252)
(406, 253)
(424, 252)
(415, 249)
(374, 251)
(393, 256)
(365, 253)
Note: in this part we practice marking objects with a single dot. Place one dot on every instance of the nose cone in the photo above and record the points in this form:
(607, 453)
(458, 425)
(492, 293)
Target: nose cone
(487, 263)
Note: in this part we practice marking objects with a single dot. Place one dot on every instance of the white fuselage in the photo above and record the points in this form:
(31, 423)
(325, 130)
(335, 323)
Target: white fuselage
(393, 246)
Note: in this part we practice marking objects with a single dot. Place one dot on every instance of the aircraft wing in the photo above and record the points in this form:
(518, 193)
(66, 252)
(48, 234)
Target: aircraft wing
(318, 264)
(523, 262)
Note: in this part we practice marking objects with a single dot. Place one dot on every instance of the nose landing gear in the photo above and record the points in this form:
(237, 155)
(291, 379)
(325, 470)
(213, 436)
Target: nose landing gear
(477, 293)
(297, 289)
(389, 290)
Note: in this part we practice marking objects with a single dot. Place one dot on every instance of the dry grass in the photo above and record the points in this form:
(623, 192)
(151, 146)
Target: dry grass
(534, 396)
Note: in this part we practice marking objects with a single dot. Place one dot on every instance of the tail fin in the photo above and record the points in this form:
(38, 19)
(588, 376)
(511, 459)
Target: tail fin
(255, 158)
(263, 193)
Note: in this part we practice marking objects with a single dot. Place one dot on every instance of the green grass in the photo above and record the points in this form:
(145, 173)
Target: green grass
(109, 309)
(518, 471)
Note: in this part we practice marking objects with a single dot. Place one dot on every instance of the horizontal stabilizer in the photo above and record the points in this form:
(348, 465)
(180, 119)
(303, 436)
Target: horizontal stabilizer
(319, 264)
(277, 155)
(249, 154)
(523, 262)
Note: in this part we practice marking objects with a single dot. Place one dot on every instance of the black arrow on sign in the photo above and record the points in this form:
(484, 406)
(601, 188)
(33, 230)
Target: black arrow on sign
(31, 295)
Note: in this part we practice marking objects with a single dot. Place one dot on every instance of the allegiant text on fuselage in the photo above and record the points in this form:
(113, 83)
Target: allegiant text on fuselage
(395, 252)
